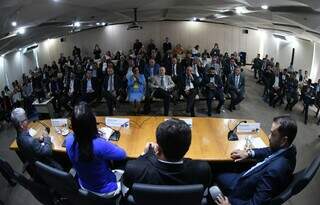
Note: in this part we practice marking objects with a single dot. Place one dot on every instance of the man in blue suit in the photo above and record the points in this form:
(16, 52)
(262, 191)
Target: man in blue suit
(151, 69)
(272, 173)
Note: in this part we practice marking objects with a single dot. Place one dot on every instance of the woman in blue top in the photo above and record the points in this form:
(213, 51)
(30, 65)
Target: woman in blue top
(136, 88)
(90, 154)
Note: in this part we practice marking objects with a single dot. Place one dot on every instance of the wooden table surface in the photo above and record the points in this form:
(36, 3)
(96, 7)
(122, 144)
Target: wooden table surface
(209, 136)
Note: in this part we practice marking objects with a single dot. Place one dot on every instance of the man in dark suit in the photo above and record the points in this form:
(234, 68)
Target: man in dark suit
(56, 89)
(163, 162)
(213, 89)
(89, 87)
(166, 46)
(276, 87)
(137, 46)
(236, 88)
(189, 84)
(257, 64)
(111, 86)
(72, 90)
(175, 70)
(227, 70)
(271, 174)
(32, 149)
(291, 92)
(122, 67)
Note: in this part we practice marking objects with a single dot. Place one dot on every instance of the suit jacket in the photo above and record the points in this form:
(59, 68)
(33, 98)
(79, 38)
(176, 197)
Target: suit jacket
(227, 69)
(76, 86)
(263, 183)
(232, 83)
(179, 69)
(116, 83)
(125, 66)
(156, 82)
(84, 85)
(217, 81)
(183, 82)
(273, 79)
(56, 87)
(147, 73)
(148, 169)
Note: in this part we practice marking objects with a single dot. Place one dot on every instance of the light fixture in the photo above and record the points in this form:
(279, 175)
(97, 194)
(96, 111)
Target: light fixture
(103, 23)
(240, 9)
(265, 7)
(98, 24)
(21, 30)
(194, 18)
(14, 23)
(76, 24)
(20, 49)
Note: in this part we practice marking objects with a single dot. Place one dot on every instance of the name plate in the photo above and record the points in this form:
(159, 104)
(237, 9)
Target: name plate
(248, 127)
(59, 122)
(117, 122)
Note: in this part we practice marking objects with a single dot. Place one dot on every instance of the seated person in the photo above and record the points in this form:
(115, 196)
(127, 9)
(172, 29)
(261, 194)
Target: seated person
(32, 149)
(308, 96)
(213, 89)
(90, 154)
(275, 93)
(291, 91)
(189, 83)
(111, 88)
(151, 69)
(89, 87)
(136, 88)
(163, 163)
(271, 174)
(236, 84)
(162, 86)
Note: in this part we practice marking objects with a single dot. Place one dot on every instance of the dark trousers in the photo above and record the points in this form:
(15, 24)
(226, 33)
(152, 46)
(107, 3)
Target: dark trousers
(111, 102)
(165, 95)
(214, 94)
(190, 101)
(236, 98)
(292, 99)
(56, 102)
(307, 101)
(274, 96)
(89, 97)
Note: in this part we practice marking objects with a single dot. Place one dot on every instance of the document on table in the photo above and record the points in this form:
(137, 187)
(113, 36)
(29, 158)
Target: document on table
(256, 142)
(117, 122)
(106, 132)
(186, 120)
(248, 127)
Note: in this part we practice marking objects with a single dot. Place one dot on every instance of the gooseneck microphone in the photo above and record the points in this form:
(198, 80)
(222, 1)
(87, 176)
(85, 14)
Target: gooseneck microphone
(232, 135)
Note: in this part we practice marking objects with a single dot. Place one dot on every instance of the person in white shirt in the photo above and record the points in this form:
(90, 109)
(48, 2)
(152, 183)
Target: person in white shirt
(89, 87)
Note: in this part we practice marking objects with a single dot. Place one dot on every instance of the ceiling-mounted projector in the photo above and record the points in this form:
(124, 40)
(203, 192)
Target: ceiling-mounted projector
(134, 25)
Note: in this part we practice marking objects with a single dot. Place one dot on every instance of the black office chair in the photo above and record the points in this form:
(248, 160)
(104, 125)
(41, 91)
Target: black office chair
(65, 184)
(40, 191)
(146, 194)
(300, 180)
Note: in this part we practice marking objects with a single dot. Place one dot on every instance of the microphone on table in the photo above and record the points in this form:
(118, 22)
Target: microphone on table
(232, 135)
(115, 136)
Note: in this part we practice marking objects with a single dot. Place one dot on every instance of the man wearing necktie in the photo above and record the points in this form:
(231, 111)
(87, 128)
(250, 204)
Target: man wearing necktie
(273, 172)
(162, 87)
(189, 85)
(236, 83)
(111, 89)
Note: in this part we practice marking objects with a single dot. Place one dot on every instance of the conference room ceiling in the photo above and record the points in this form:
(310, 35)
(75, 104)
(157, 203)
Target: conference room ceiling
(44, 19)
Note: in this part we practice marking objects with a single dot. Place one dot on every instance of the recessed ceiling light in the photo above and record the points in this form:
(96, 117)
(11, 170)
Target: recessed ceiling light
(21, 30)
(14, 23)
(103, 23)
(98, 24)
(240, 9)
(77, 24)
(194, 18)
(265, 7)
(20, 49)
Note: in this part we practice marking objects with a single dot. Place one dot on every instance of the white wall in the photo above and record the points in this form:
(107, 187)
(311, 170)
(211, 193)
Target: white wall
(116, 37)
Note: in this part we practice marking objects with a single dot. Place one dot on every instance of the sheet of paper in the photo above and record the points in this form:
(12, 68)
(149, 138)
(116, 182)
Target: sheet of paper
(106, 132)
(186, 120)
(117, 122)
(248, 127)
(256, 142)
(59, 122)
(32, 132)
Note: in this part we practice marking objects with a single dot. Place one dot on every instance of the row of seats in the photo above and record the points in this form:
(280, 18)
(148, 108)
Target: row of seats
(60, 187)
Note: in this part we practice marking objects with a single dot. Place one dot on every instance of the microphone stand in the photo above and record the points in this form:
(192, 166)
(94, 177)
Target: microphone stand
(115, 136)
(232, 135)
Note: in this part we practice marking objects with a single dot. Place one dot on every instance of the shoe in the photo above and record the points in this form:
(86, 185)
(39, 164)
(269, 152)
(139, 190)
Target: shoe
(230, 108)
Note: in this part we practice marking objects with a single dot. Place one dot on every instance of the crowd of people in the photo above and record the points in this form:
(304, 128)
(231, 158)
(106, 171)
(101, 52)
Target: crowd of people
(138, 76)
(280, 84)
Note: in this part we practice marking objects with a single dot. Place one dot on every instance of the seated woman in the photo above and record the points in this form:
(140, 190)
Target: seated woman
(90, 154)
(136, 88)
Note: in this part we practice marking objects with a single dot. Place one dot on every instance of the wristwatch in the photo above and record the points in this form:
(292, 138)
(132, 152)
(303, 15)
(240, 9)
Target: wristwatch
(250, 153)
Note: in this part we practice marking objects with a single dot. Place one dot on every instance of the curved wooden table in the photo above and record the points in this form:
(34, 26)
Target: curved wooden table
(209, 136)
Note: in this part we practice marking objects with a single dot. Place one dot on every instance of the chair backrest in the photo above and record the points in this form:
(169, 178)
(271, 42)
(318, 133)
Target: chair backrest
(39, 191)
(299, 181)
(146, 194)
(67, 187)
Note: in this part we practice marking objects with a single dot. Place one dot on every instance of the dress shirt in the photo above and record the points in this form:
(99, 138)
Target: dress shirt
(89, 86)
(237, 79)
(195, 70)
(163, 83)
(174, 70)
(212, 80)
(111, 83)
(276, 82)
(71, 87)
(189, 85)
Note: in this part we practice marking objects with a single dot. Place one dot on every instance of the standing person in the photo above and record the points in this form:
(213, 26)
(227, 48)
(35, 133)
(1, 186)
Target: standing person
(90, 154)
(215, 52)
(166, 46)
(97, 52)
(257, 64)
